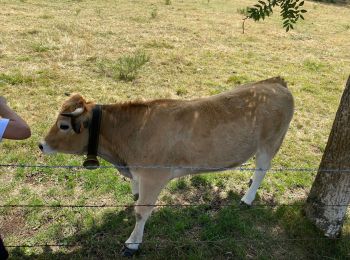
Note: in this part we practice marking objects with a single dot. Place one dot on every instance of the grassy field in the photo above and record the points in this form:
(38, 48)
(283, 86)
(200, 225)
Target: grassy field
(112, 51)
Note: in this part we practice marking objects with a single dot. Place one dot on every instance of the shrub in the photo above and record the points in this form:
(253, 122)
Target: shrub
(125, 68)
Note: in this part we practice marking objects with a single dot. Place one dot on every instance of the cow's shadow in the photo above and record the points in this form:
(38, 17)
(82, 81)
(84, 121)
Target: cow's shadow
(207, 231)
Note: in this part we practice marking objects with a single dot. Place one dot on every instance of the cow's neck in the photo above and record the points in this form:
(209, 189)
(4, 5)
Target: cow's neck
(108, 144)
(119, 126)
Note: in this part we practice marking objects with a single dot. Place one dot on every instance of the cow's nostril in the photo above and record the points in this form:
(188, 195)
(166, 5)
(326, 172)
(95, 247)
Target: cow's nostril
(41, 147)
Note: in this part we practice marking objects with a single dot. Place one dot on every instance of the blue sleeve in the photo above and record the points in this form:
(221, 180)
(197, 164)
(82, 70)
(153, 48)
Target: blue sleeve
(3, 124)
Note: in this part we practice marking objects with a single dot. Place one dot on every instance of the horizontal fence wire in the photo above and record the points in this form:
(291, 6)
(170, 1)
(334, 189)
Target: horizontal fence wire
(170, 242)
(244, 206)
(202, 168)
(180, 167)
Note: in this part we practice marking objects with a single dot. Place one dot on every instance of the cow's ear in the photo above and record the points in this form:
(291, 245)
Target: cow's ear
(74, 106)
(79, 111)
(77, 101)
(80, 123)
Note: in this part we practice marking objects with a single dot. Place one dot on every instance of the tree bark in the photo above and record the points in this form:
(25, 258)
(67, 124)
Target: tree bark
(329, 197)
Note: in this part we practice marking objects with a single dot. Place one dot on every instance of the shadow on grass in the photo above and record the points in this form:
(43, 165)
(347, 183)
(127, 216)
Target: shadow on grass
(333, 2)
(200, 232)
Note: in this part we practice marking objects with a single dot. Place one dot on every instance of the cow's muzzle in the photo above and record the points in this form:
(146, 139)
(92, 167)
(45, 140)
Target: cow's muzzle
(45, 148)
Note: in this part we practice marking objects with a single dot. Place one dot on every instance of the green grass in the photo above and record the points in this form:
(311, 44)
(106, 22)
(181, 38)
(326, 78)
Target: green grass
(42, 47)
(15, 78)
(237, 79)
(113, 52)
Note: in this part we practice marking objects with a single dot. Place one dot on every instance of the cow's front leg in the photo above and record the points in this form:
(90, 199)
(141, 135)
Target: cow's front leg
(135, 187)
(150, 188)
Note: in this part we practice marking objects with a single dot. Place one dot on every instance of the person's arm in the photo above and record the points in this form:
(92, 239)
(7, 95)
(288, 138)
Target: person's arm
(17, 128)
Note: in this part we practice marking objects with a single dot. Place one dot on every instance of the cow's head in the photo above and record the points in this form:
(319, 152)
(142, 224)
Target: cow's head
(70, 133)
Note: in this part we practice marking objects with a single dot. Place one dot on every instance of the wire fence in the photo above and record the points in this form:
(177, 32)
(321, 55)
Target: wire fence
(247, 207)
(210, 205)
(177, 167)
(184, 167)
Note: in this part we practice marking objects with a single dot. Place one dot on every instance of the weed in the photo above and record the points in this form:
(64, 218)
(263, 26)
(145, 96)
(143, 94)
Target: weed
(168, 2)
(242, 11)
(99, 12)
(181, 91)
(23, 58)
(216, 89)
(180, 184)
(159, 44)
(125, 68)
(237, 79)
(46, 16)
(42, 47)
(199, 181)
(64, 27)
(154, 13)
(313, 65)
(33, 32)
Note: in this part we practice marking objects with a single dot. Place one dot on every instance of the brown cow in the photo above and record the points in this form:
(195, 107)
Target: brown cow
(179, 137)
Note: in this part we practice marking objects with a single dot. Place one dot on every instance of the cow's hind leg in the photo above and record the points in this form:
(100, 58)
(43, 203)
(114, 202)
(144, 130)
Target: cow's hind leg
(263, 162)
(149, 189)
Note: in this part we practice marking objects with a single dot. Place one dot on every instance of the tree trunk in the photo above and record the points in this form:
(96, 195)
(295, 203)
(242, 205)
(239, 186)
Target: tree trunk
(330, 193)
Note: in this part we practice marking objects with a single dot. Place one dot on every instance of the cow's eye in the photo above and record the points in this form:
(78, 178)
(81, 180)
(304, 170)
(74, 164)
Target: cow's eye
(64, 127)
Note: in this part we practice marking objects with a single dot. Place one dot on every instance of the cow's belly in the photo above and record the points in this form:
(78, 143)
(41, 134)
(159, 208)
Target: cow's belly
(222, 148)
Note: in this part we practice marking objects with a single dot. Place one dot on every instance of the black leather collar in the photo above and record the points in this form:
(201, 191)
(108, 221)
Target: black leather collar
(91, 162)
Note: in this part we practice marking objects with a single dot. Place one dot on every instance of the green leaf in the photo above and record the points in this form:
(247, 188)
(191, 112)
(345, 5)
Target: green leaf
(289, 12)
